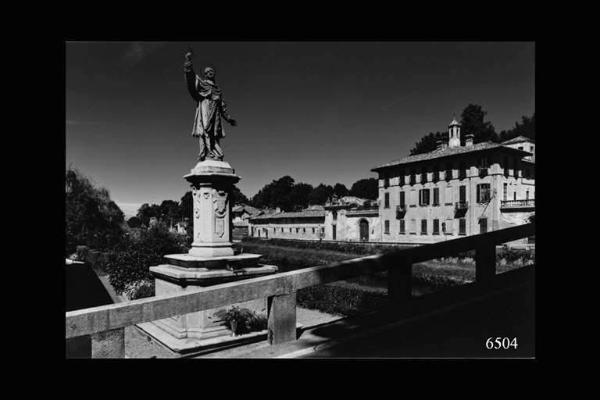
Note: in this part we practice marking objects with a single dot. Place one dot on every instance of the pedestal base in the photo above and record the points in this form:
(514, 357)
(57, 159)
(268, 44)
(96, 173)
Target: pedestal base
(191, 332)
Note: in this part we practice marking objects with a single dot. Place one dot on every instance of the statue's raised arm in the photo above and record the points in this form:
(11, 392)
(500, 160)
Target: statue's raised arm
(190, 76)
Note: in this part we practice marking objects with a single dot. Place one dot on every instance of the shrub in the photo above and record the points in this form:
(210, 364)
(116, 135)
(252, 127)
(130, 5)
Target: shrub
(356, 248)
(242, 320)
(340, 300)
(139, 289)
(129, 262)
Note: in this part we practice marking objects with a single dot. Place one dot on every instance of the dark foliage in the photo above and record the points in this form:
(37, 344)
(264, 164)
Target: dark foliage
(365, 189)
(275, 194)
(340, 300)
(340, 190)
(524, 128)
(134, 222)
(237, 197)
(320, 195)
(428, 143)
(300, 194)
(92, 218)
(129, 261)
(473, 121)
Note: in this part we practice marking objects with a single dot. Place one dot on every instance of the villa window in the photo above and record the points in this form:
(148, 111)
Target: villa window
(436, 173)
(483, 193)
(436, 196)
(413, 178)
(401, 178)
(402, 227)
(386, 200)
(402, 200)
(423, 227)
(436, 226)
(424, 197)
(387, 227)
(423, 175)
(505, 164)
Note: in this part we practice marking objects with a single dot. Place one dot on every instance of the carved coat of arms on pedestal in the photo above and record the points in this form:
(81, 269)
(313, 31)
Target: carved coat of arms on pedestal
(220, 204)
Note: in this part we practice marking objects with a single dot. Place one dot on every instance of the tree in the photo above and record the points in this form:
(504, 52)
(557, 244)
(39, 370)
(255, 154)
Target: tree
(320, 195)
(146, 212)
(300, 195)
(275, 194)
(472, 121)
(525, 128)
(186, 206)
(237, 197)
(169, 212)
(91, 217)
(428, 143)
(365, 189)
(134, 222)
(340, 190)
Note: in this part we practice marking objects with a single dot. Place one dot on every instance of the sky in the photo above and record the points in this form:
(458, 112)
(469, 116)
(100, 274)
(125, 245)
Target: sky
(321, 112)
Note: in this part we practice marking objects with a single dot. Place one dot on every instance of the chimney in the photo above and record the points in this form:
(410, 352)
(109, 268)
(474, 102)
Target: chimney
(469, 140)
(442, 144)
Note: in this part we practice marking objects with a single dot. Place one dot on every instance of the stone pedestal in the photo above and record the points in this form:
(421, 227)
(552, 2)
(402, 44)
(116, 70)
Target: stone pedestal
(210, 261)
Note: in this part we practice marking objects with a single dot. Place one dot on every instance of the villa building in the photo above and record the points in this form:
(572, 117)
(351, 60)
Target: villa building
(456, 190)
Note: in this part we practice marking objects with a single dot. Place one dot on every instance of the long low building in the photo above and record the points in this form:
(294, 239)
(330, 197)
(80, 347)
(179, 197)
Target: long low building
(306, 224)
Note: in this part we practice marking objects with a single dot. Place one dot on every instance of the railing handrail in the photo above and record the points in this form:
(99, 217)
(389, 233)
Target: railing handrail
(517, 202)
(94, 320)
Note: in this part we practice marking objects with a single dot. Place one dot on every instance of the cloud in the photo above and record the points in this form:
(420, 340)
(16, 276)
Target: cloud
(137, 51)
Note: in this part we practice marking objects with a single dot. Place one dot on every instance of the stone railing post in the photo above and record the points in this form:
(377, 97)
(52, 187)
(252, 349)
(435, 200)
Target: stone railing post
(485, 263)
(109, 344)
(282, 318)
(400, 281)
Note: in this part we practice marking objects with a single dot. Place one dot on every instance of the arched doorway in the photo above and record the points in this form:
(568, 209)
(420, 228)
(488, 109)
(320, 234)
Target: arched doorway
(364, 230)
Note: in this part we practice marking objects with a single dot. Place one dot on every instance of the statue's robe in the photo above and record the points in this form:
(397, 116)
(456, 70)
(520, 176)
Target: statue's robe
(210, 106)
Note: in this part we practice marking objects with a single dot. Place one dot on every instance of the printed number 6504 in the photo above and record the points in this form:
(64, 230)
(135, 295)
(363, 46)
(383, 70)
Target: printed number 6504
(500, 343)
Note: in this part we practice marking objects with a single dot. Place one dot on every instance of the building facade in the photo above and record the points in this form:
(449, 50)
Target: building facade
(455, 191)
(352, 219)
(307, 224)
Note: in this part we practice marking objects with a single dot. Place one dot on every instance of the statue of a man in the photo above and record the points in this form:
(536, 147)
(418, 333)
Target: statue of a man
(210, 108)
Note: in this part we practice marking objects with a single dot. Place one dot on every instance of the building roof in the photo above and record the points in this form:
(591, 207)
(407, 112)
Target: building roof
(449, 152)
(296, 214)
(454, 122)
(519, 139)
